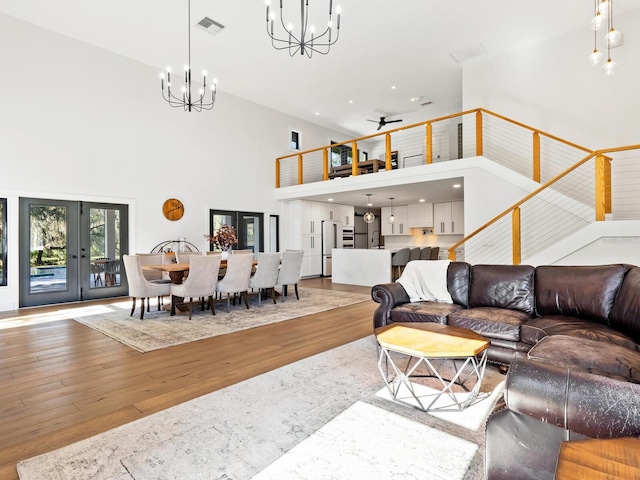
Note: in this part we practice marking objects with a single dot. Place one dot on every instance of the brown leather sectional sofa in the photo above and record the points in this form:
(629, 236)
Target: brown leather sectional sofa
(571, 335)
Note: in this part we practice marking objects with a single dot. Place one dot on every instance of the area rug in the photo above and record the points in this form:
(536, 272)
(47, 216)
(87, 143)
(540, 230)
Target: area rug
(160, 330)
(285, 424)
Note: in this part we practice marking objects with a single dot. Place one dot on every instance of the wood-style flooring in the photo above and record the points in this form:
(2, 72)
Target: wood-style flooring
(62, 382)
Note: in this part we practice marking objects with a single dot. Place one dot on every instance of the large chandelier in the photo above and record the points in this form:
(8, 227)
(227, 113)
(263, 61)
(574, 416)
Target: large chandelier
(185, 99)
(603, 18)
(306, 41)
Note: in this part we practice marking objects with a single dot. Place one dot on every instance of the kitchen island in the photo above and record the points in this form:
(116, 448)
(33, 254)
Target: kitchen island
(360, 266)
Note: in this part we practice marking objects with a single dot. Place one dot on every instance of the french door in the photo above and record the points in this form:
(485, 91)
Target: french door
(249, 228)
(71, 251)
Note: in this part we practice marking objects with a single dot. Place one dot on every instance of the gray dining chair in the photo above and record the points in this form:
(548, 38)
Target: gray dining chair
(435, 253)
(289, 273)
(199, 284)
(266, 275)
(399, 260)
(414, 254)
(425, 253)
(236, 278)
(140, 287)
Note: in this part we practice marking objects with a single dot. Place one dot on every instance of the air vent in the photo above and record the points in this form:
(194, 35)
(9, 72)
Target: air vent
(210, 26)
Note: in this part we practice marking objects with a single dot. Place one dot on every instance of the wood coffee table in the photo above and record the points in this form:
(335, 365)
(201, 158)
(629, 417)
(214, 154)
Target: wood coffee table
(433, 346)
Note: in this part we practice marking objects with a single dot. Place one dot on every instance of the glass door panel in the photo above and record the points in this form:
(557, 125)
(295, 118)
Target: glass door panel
(57, 260)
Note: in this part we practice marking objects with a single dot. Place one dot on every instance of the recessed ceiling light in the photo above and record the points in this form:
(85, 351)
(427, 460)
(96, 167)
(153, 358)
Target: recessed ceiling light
(317, 113)
(393, 87)
(421, 200)
(415, 99)
(330, 199)
(350, 101)
(457, 185)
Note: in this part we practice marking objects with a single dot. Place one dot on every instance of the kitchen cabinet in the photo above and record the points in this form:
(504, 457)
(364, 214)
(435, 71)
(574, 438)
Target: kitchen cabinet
(420, 215)
(448, 218)
(311, 216)
(400, 226)
(347, 215)
(312, 259)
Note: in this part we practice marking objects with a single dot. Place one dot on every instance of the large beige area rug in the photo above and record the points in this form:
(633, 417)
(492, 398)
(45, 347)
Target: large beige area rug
(160, 330)
(321, 418)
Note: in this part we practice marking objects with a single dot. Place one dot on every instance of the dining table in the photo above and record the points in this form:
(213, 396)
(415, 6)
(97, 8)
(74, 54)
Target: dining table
(177, 271)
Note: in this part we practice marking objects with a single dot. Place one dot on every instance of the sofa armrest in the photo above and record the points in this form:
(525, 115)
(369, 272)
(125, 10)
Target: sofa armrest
(591, 405)
(388, 295)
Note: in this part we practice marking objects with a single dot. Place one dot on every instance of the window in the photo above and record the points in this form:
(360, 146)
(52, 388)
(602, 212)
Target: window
(340, 155)
(295, 140)
(3, 242)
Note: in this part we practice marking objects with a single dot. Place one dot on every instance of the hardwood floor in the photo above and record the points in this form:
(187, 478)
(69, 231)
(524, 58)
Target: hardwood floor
(63, 382)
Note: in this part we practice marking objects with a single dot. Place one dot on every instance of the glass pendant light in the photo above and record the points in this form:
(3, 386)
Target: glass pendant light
(392, 217)
(369, 217)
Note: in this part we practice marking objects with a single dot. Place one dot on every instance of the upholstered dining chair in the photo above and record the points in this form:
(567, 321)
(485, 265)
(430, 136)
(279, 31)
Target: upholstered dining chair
(399, 260)
(183, 257)
(266, 275)
(140, 287)
(199, 284)
(289, 273)
(153, 259)
(425, 253)
(236, 279)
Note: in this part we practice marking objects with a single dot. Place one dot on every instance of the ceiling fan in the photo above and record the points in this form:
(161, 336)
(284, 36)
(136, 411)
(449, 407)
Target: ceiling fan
(382, 122)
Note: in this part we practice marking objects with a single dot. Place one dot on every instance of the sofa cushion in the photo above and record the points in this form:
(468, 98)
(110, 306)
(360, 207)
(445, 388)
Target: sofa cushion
(578, 291)
(625, 314)
(502, 286)
(588, 355)
(436, 312)
(490, 322)
(458, 275)
(537, 328)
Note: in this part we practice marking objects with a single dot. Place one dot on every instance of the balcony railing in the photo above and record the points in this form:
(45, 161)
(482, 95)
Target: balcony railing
(576, 182)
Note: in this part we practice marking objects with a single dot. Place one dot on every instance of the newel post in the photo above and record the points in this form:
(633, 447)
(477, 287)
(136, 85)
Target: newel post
(300, 173)
(601, 186)
(479, 133)
(429, 144)
(277, 173)
(325, 164)
(516, 239)
(354, 159)
(536, 157)
(387, 154)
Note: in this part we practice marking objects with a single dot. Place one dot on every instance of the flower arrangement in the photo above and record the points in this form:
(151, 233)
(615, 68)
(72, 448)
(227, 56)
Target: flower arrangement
(224, 238)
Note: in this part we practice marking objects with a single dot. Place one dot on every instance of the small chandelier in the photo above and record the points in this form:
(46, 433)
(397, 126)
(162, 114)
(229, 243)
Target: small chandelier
(392, 217)
(369, 217)
(603, 17)
(307, 41)
(187, 101)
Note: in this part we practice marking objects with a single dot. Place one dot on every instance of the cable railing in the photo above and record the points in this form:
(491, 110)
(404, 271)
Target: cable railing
(524, 149)
(602, 183)
(578, 185)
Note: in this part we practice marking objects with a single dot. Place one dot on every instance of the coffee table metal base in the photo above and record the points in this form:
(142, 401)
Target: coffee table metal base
(471, 371)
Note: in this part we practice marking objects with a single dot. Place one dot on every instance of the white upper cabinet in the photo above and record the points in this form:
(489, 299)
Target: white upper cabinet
(346, 215)
(448, 218)
(420, 215)
(399, 226)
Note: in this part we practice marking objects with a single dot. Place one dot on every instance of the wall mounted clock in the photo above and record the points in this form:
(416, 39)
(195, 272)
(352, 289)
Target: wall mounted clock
(173, 209)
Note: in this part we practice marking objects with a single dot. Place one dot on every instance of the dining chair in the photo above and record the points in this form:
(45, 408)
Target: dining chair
(399, 260)
(236, 279)
(266, 275)
(425, 253)
(247, 251)
(140, 287)
(289, 273)
(183, 257)
(111, 272)
(97, 269)
(152, 259)
(200, 283)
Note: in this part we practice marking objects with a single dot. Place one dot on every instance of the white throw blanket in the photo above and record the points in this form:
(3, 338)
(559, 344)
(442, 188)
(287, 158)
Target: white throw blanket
(426, 280)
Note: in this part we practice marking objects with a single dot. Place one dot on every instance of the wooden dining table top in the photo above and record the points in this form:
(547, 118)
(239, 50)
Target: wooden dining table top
(180, 267)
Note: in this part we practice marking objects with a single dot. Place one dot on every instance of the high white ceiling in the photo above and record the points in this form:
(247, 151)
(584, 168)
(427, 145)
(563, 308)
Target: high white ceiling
(406, 44)
(402, 43)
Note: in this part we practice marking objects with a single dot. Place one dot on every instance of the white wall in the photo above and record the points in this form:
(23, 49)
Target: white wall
(551, 86)
(81, 123)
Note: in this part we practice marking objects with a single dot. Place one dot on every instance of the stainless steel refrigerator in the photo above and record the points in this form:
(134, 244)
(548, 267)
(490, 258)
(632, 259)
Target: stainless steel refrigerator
(331, 238)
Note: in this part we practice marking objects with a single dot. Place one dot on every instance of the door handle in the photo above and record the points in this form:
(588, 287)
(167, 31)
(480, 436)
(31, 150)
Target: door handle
(73, 256)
